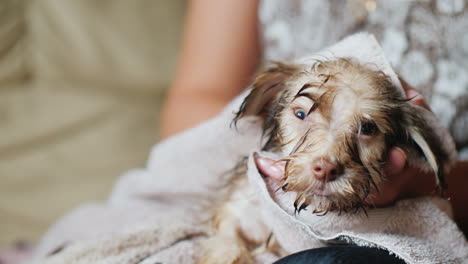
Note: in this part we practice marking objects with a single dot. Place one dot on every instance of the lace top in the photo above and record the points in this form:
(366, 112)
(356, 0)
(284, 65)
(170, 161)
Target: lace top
(426, 41)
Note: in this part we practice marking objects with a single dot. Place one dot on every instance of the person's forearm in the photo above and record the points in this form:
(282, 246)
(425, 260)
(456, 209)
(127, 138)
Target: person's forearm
(219, 55)
(457, 182)
(183, 111)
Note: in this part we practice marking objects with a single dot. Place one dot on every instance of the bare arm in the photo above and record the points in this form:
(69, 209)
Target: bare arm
(220, 52)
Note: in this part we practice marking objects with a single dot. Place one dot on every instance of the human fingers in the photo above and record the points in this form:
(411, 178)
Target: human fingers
(391, 189)
(396, 161)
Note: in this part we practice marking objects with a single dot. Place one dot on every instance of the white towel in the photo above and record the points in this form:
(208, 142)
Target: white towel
(156, 214)
(416, 230)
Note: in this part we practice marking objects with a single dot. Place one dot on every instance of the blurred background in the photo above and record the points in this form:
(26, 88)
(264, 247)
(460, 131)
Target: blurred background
(81, 84)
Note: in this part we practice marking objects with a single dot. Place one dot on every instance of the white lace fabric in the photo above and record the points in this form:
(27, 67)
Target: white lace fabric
(426, 41)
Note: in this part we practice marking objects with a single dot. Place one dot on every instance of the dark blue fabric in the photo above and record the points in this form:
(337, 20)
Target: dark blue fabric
(346, 254)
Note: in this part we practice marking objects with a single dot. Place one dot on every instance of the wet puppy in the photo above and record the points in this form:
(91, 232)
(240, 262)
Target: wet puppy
(334, 123)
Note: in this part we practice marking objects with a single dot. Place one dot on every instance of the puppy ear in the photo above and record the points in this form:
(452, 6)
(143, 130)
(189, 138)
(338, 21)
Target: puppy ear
(431, 146)
(265, 89)
(269, 167)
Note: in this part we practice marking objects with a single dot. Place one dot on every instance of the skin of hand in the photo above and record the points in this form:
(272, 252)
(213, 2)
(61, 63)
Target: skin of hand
(403, 181)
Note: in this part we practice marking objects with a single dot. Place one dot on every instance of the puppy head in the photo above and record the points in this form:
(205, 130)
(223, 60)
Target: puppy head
(334, 122)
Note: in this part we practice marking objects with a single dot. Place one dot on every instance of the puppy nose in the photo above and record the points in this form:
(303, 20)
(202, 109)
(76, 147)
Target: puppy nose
(325, 171)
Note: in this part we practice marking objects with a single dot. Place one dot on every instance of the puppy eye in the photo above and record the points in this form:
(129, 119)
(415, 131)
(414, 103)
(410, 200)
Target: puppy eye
(299, 113)
(367, 128)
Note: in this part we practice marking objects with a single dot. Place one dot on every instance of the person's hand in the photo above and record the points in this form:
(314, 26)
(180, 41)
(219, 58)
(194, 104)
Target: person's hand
(403, 181)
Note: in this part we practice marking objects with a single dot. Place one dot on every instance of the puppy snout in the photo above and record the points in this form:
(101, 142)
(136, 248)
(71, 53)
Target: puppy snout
(326, 171)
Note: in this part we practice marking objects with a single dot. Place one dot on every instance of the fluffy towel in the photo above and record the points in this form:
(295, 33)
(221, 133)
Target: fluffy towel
(156, 214)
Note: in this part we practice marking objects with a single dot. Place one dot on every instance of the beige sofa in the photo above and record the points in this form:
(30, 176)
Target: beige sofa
(80, 88)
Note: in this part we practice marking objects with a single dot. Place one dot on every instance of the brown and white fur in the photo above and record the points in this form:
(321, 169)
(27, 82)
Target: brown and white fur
(334, 123)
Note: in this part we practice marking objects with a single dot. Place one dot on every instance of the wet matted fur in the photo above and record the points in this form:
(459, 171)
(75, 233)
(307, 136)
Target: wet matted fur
(336, 114)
